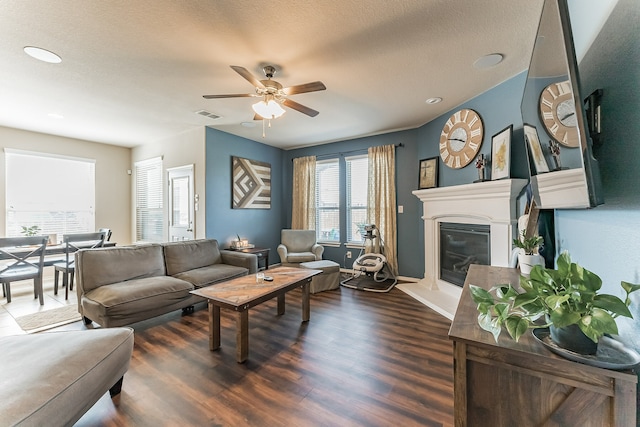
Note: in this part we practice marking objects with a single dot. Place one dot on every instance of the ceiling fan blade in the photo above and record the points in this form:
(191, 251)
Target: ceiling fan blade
(307, 87)
(247, 75)
(231, 95)
(299, 107)
(257, 117)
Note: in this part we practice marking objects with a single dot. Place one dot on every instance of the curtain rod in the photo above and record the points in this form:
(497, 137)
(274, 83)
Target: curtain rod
(342, 153)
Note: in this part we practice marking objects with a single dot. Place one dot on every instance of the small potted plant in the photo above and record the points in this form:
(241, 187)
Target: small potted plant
(528, 255)
(34, 230)
(566, 300)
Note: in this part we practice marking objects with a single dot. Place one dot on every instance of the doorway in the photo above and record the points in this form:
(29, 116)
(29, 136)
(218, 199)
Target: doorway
(181, 203)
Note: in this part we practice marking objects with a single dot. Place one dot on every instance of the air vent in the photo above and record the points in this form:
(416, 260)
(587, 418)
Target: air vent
(208, 114)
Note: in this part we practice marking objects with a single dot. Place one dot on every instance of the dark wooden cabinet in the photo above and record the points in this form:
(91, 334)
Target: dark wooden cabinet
(261, 253)
(524, 384)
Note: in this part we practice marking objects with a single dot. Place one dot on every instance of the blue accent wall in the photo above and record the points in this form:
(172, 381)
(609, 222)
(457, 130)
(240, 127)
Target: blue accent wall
(261, 226)
(498, 107)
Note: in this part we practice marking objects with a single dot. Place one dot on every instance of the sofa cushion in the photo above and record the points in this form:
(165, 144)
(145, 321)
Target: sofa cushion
(209, 275)
(53, 378)
(104, 266)
(138, 295)
(188, 255)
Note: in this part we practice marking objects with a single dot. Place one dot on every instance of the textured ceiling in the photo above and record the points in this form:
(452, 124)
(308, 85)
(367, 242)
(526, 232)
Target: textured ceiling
(134, 71)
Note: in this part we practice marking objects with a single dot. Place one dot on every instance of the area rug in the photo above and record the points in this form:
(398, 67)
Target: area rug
(48, 319)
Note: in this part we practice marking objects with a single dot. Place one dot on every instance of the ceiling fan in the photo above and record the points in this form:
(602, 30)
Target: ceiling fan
(273, 94)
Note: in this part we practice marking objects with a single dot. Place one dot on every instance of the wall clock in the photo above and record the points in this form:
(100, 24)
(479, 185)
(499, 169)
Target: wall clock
(461, 138)
(558, 113)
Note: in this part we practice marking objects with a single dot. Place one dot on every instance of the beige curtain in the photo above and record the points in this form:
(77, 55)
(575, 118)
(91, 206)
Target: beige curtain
(381, 205)
(303, 214)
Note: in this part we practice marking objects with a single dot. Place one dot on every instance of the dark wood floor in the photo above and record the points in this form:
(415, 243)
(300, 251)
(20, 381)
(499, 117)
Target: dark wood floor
(364, 359)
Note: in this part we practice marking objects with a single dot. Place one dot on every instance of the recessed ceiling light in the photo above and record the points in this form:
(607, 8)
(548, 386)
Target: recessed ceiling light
(42, 54)
(433, 100)
(488, 60)
(56, 116)
(248, 124)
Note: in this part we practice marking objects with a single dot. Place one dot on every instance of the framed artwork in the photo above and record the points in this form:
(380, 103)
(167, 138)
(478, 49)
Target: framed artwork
(501, 153)
(531, 135)
(428, 173)
(251, 184)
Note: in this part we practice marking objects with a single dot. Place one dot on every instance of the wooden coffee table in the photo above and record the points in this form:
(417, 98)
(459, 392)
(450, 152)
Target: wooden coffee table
(242, 293)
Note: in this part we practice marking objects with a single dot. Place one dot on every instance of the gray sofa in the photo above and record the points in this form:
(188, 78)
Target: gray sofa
(53, 378)
(123, 285)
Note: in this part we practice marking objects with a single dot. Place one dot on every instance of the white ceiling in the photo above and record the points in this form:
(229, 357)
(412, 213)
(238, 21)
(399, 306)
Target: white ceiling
(134, 71)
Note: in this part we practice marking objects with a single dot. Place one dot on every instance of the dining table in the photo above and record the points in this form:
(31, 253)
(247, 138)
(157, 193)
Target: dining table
(57, 249)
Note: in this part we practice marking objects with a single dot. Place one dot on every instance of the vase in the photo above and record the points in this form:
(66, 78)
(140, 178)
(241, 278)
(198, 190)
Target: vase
(572, 338)
(527, 262)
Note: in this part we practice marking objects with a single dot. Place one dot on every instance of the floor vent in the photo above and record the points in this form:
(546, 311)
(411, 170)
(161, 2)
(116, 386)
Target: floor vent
(208, 114)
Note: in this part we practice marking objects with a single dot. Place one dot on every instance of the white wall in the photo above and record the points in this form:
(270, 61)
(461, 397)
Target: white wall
(113, 184)
(180, 150)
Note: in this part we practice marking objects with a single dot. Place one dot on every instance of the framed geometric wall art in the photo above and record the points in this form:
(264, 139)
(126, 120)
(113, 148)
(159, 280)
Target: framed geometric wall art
(251, 181)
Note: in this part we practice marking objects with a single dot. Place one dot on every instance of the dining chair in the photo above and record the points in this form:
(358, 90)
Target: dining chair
(107, 233)
(25, 257)
(72, 243)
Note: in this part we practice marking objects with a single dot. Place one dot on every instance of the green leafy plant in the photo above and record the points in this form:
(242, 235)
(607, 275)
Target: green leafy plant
(34, 230)
(559, 298)
(530, 245)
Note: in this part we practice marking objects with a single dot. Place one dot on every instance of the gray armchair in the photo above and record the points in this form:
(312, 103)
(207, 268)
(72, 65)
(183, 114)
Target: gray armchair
(299, 246)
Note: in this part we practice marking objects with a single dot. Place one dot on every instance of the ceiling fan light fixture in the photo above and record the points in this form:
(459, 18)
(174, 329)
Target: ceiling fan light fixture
(268, 110)
(42, 54)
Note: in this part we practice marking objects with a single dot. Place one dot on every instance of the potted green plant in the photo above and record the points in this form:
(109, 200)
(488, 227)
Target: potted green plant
(528, 256)
(568, 297)
(30, 231)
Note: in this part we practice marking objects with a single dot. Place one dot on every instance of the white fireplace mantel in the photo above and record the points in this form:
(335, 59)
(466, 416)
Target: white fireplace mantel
(490, 203)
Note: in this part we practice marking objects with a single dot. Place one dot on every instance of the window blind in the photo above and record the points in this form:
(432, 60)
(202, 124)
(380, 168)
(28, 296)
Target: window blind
(54, 193)
(357, 181)
(148, 186)
(327, 201)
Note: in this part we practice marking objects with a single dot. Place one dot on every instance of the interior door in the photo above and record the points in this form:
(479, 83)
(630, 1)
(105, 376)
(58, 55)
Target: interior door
(181, 203)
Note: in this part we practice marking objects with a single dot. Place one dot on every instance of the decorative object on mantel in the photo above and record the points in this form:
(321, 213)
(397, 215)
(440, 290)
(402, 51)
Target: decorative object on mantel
(251, 184)
(481, 164)
(501, 153)
(564, 297)
(428, 173)
(461, 138)
(531, 135)
(554, 147)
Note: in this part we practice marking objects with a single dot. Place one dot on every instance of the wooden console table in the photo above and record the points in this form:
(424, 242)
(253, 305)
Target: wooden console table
(524, 384)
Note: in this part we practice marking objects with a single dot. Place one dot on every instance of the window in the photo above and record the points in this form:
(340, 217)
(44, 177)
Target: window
(54, 193)
(148, 178)
(357, 179)
(328, 201)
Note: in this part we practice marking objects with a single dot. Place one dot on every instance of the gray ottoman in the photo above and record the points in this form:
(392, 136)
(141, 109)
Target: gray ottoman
(328, 279)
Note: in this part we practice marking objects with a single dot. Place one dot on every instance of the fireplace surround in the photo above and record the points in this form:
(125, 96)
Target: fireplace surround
(491, 203)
